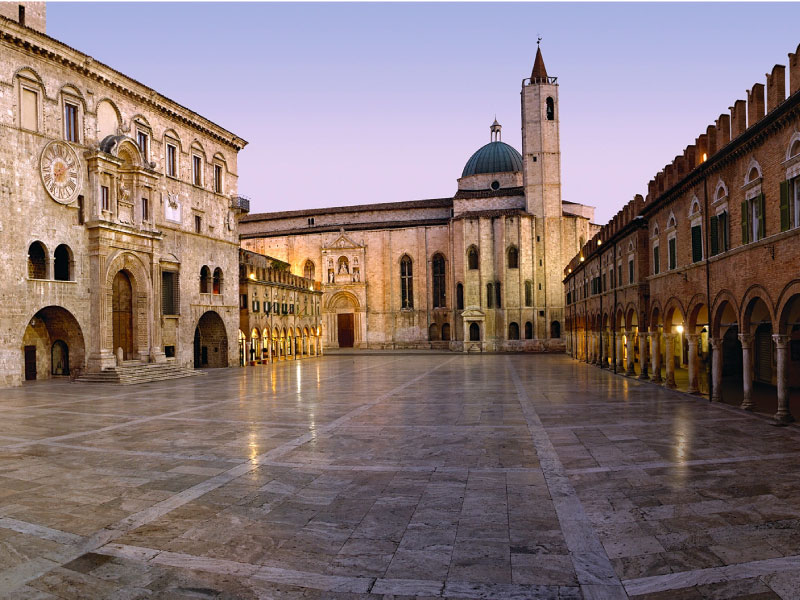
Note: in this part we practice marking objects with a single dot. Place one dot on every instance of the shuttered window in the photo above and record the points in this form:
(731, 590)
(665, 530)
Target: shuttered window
(656, 260)
(170, 293)
(697, 244)
(673, 262)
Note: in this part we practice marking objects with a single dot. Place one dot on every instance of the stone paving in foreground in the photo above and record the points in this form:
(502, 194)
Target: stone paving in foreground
(394, 476)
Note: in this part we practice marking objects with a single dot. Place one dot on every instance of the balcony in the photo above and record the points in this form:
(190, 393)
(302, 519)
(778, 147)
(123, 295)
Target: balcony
(241, 203)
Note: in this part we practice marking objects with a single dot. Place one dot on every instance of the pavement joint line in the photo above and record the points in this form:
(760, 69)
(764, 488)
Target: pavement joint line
(711, 575)
(15, 577)
(589, 557)
(687, 463)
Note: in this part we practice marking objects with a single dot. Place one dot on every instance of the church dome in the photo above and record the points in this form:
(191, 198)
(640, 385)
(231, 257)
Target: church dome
(494, 157)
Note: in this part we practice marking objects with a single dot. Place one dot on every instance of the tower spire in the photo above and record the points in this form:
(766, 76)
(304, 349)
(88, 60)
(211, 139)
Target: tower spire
(494, 128)
(539, 73)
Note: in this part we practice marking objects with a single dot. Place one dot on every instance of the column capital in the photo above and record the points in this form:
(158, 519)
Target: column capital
(780, 339)
(716, 343)
(746, 339)
(670, 336)
(693, 337)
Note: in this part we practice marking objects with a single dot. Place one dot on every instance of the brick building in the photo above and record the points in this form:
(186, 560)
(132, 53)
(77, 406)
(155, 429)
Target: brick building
(477, 271)
(279, 313)
(697, 283)
(118, 216)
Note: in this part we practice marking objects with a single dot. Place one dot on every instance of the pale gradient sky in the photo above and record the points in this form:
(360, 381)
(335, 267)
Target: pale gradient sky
(365, 103)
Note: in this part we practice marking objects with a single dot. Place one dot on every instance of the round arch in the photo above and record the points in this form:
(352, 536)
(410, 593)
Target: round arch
(48, 329)
(211, 341)
(140, 303)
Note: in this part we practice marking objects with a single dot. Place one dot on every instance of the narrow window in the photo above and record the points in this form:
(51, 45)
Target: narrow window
(528, 293)
(673, 257)
(619, 275)
(489, 295)
(172, 160)
(308, 270)
(697, 244)
(474, 332)
(61, 264)
(656, 260)
(81, 218)
(551, 109)
(205, 280)
(439, 295)
(217, 289)
(70, 122)
(170, 293)
(497, 294)
(37, 261)
(722, 226)
(406, 283)
(29, 117)
(310, 221)
(460, 296)
(21, 15)
(218, 179)
(198, 223)
(630, 270)
(528, 330)
(472, 258)
(197, 170)
(104, 201)
(143, 141)
(145, 209)
(513, 257)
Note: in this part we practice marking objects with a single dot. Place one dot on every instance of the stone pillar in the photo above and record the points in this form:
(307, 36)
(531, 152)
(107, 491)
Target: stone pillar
(747, 371)
(591, 357)
(655, 355)
(620, 359)
(669, 338)
(269, 348)
(630, 371)
(694, 385)
(716, 369)
(782, 345)
(643, 355)
(603, 349)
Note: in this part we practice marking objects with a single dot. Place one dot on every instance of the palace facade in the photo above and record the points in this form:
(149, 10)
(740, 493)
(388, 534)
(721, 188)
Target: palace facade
(697, 284)
(279, 313)
(118, 216)
(477, 271)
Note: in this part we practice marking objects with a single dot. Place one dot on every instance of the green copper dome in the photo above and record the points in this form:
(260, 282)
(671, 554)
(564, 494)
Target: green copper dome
(494, 157)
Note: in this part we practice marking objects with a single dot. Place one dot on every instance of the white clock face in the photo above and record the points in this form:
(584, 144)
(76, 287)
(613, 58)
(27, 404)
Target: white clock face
(60, 168)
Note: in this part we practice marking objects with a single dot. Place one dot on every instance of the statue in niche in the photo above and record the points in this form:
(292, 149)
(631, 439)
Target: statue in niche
(331, 276)
(344, 265)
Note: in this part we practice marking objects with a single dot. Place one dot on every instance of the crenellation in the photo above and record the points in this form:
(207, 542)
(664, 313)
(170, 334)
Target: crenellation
(738, 118)
(776, 87)
(755, 104)
(723, 130)
(794, 71)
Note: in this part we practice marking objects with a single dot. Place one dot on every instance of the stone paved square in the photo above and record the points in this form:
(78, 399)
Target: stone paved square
(394, 476)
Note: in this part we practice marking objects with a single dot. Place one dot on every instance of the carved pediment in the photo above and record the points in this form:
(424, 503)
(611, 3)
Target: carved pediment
(343, 242)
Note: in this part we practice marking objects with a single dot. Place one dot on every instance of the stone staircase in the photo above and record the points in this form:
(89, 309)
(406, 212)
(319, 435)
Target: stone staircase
(131, 372)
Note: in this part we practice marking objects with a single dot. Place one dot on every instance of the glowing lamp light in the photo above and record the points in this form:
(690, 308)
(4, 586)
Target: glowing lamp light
(679, 328)
(581, 259)
(252, 276)
(570, 270)
(599, 242)
(705, 157)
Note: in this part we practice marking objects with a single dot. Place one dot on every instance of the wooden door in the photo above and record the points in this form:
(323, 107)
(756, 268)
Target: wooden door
(346, 330)
(30, 363)
(122, 314)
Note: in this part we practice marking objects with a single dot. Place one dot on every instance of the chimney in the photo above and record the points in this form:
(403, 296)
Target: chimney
(776, 87)
(738, 118)
(794, 71)
(711, 135)
(755, 104)
(723, 131)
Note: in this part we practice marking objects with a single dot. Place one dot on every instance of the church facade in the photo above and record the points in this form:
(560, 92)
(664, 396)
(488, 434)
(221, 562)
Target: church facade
(118, 216)
(479, 271)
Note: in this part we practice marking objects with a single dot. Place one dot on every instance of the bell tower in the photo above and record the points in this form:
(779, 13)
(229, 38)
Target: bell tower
(541, 149)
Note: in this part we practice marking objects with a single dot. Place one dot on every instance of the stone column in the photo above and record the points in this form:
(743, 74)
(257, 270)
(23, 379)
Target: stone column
(655, 355)
(716, 369)
(747, 371)
(590, 356)
(643, 354)
(620, 360)
(782, 344)
(669, 338)
(694, 386)
(603, 349)
(630, 371)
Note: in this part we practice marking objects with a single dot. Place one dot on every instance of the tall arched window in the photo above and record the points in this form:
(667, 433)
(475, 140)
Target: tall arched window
(528, 293)
(489, 295)
(474, 332)
(551, 109)
(439, 296)
(528, 330)
(406, 282)
(308, 270)
(217, 281)
(513, 331)
(61, 264)
(37, 261)
(459, 296)
(205, 280)
(433, 332)
(446, 332)
(555, 330)
(472, 258)
(513, 257)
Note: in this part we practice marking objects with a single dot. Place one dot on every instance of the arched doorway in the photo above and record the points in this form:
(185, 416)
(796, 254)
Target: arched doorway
(52, 343)
(59, 358)
(210, 342)
(344, 307)
(474, 332)
(122, 314)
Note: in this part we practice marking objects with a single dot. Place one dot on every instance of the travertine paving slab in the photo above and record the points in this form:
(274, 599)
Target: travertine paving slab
(394, 476)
